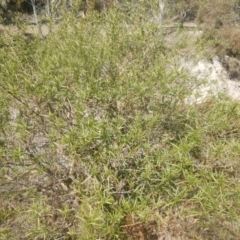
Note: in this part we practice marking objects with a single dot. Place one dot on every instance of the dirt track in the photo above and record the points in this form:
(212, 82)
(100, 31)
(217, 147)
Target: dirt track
(28, 29)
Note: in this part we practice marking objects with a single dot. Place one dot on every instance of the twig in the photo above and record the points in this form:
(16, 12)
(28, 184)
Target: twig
(130, 225)
(22, 102)
(36, 19)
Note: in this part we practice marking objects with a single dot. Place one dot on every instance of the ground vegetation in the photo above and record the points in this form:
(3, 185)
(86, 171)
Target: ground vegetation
(97, 140)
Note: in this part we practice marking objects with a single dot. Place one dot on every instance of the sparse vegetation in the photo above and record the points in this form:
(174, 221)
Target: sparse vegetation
(97, 141)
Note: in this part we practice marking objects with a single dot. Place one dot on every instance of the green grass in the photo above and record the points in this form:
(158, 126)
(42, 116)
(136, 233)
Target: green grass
(94, 129)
